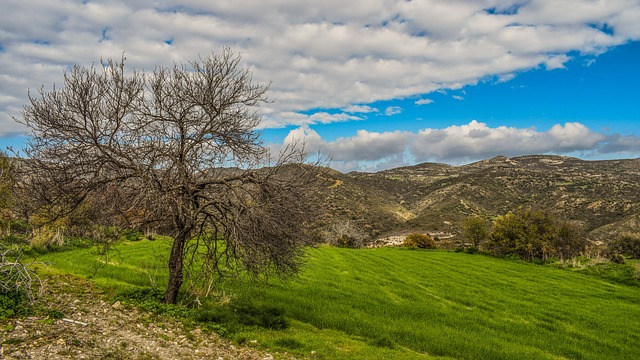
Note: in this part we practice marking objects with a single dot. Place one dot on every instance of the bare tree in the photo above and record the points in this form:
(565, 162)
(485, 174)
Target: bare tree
(176, 149)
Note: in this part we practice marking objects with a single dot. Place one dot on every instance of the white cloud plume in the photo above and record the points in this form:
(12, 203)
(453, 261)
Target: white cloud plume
(327, 56)
(423, 102)
(459, 144)
(359, 109)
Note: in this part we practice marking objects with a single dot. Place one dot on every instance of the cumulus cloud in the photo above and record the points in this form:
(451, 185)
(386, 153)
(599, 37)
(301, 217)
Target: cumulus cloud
(326, 56)
(392, 110)
(458, 144)
(477, 140)
(424, 102)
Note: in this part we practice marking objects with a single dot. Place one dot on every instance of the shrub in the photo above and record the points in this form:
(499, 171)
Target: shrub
(617, 258)
(345, 234)
(421, 241)
(534, 235)
(475, 230)
(627, 244)
(12, 304)
(347, 241)
(472, 250)
(568, 241)
(48, 236)
(131, 235)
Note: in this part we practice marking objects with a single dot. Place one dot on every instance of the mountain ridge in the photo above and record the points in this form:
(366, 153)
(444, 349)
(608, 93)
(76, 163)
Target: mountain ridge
(601, 196)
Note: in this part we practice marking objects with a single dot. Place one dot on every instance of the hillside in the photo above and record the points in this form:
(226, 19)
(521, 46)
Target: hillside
(386, 303)
(601, 196)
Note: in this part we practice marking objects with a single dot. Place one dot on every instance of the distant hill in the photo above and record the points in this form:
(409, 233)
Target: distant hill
(602, 196)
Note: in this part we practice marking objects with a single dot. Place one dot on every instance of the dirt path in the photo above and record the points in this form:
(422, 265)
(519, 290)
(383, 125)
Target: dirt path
(108, 331)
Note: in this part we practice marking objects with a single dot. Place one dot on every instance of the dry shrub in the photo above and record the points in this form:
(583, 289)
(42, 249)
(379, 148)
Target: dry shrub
(47, 236)
(421, 241)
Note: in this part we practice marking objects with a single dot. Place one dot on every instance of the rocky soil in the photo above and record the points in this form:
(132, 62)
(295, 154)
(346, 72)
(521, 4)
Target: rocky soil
(94, 328)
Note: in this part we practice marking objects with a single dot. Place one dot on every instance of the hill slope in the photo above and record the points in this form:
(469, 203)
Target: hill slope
(398, 303)
(602, 196)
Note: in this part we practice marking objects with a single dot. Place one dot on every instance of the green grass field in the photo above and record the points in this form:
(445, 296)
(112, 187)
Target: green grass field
(395, 303)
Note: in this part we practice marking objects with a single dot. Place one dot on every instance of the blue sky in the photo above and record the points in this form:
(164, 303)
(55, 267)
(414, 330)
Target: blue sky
(602, 92)
(370, 84)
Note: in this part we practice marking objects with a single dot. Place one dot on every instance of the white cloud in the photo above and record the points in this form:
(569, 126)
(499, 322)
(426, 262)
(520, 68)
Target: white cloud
(359, 109)
(458, 97)
(478, 141)
(392, 110)
(457, 144)
(327, 56)
(424, 102)
(556, 62)
(295, 118)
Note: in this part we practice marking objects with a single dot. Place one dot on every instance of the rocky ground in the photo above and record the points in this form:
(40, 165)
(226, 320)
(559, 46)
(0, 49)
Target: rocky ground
(94, 328)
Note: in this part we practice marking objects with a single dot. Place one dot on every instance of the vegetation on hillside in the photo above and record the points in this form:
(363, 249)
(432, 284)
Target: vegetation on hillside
(599, 196)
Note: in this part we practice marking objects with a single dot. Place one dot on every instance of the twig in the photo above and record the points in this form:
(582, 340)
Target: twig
(75, 322)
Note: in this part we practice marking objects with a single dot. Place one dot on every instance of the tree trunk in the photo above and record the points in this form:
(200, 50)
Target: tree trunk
(175, 268)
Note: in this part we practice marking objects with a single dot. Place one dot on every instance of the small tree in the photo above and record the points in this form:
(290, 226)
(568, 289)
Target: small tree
(533, 234)
(569, 241)
(475, 230)
(345, 234)
(174, 149)
(421, 241)
(626, 244)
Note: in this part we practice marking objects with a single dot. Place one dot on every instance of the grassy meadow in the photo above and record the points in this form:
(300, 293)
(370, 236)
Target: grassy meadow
(393, 303)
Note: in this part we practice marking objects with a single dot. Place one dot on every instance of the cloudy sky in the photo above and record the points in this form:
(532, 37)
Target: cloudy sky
(371, 83)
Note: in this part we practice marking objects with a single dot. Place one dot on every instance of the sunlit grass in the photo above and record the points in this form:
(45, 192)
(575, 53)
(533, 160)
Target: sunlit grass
(398, 303)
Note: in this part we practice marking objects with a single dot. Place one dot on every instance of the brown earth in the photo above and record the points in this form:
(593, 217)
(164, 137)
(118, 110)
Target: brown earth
(104, 330)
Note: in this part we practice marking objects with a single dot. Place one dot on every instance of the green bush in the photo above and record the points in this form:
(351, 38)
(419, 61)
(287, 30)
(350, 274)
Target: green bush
(534, 235)
(475, 230)
(627, 244)
(132, 235)
(12, 304)
(422, 241)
